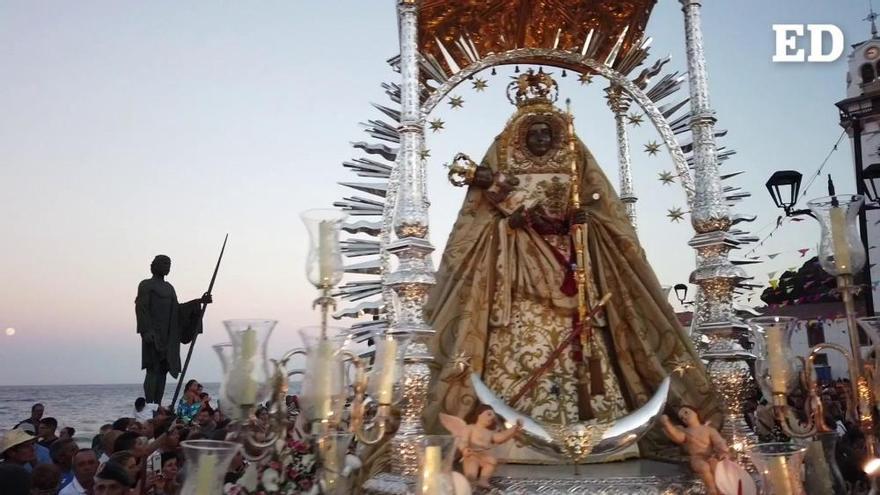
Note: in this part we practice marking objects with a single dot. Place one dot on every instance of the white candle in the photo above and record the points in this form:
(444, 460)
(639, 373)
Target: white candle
(206, 474)
(322, 376)
(838, 240)
(248, 351)
(431, 481)
(386, 372)
(326, 245)
(776, 360)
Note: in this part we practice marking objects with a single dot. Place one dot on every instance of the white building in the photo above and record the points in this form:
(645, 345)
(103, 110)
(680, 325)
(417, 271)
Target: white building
(820, 323)
(860, 116)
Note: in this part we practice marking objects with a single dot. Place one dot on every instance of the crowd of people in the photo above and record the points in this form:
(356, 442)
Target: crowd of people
(139, 454)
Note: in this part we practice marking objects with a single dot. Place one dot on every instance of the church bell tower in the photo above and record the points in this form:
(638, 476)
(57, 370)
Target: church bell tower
(860, 116)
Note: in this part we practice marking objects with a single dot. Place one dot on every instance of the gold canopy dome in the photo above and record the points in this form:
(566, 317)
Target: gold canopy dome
(497, 26)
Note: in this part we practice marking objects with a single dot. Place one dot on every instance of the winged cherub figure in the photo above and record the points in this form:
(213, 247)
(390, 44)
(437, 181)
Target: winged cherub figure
(475, 441)
(702, 443)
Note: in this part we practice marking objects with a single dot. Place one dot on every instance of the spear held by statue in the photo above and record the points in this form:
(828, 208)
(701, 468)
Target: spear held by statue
(204, 305)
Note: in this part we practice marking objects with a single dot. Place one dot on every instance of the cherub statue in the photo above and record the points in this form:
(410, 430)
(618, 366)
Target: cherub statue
(475, 441)
(703, 444)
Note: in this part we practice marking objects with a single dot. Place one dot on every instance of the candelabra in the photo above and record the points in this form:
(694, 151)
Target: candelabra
(250, 378)
(841, 254)
(779, 372)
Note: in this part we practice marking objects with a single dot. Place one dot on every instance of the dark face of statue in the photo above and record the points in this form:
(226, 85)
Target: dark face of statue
(539, 138)
(161, 266)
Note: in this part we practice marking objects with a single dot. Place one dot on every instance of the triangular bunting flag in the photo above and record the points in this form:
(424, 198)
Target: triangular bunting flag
(771, 256)
(803, 251)
(774, 283)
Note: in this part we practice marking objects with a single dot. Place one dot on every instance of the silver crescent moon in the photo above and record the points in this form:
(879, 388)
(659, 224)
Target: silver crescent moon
(618, 433)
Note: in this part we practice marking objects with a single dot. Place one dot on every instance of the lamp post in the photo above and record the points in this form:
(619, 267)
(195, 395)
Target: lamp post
(784, 188)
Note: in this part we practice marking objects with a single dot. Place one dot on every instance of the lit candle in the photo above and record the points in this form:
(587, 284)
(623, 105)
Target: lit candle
(206, 474)
(776, 360)
(248, 351)
(431, 483)
(838, 240)
(323, 379)
(778, 476)
(386, 372)
(326, 245)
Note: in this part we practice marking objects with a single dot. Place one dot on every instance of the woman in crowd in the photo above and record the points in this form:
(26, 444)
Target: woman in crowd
(190, 403)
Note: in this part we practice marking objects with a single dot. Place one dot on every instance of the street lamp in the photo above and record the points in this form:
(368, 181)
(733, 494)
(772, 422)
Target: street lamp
(784, 187)
(681, 291)
(871, 178)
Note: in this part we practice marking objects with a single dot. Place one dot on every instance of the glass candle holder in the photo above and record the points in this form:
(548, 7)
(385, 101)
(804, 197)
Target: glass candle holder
(436, 453)
(841, 251)
(324, 390)
(332, 447)
(225, 353)
(206, 464)
(781, 466)
(324, 262)
(385, 383)
(247, 376)
(776, 367)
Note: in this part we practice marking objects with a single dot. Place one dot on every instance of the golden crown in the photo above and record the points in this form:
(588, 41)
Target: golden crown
(532, 87)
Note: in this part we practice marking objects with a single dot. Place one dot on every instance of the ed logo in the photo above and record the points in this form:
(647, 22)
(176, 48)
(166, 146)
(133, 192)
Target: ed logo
(787, 36)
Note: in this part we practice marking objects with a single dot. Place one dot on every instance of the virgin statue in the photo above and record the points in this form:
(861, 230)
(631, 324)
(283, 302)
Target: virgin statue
(506, 298)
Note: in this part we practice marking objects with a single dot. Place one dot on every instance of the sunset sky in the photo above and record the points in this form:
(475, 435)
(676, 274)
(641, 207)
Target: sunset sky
(129, 129)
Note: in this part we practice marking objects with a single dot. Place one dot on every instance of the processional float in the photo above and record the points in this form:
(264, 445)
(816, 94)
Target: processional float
(443, 44)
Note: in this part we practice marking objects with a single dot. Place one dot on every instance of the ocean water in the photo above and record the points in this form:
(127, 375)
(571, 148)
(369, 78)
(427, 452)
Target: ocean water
(84, 407)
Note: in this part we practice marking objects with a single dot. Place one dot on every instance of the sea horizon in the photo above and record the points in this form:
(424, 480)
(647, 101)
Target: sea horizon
(168, 384)
(85, 407)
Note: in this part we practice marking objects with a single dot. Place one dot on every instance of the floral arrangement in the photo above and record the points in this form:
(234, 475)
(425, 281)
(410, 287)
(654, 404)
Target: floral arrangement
(290, 470)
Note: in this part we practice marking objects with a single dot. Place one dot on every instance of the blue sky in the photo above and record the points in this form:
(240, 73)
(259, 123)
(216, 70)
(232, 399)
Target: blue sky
(129, 129)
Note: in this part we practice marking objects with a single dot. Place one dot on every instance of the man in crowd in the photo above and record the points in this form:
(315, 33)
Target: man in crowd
(112, 479)
(36, 415)
(45, 479)
(46, 432)
(62, 453)
(43, 456)
(142, 410)
(85, 465)
(99, 438)
(108, 440)
(18, 448)
(205, 420)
